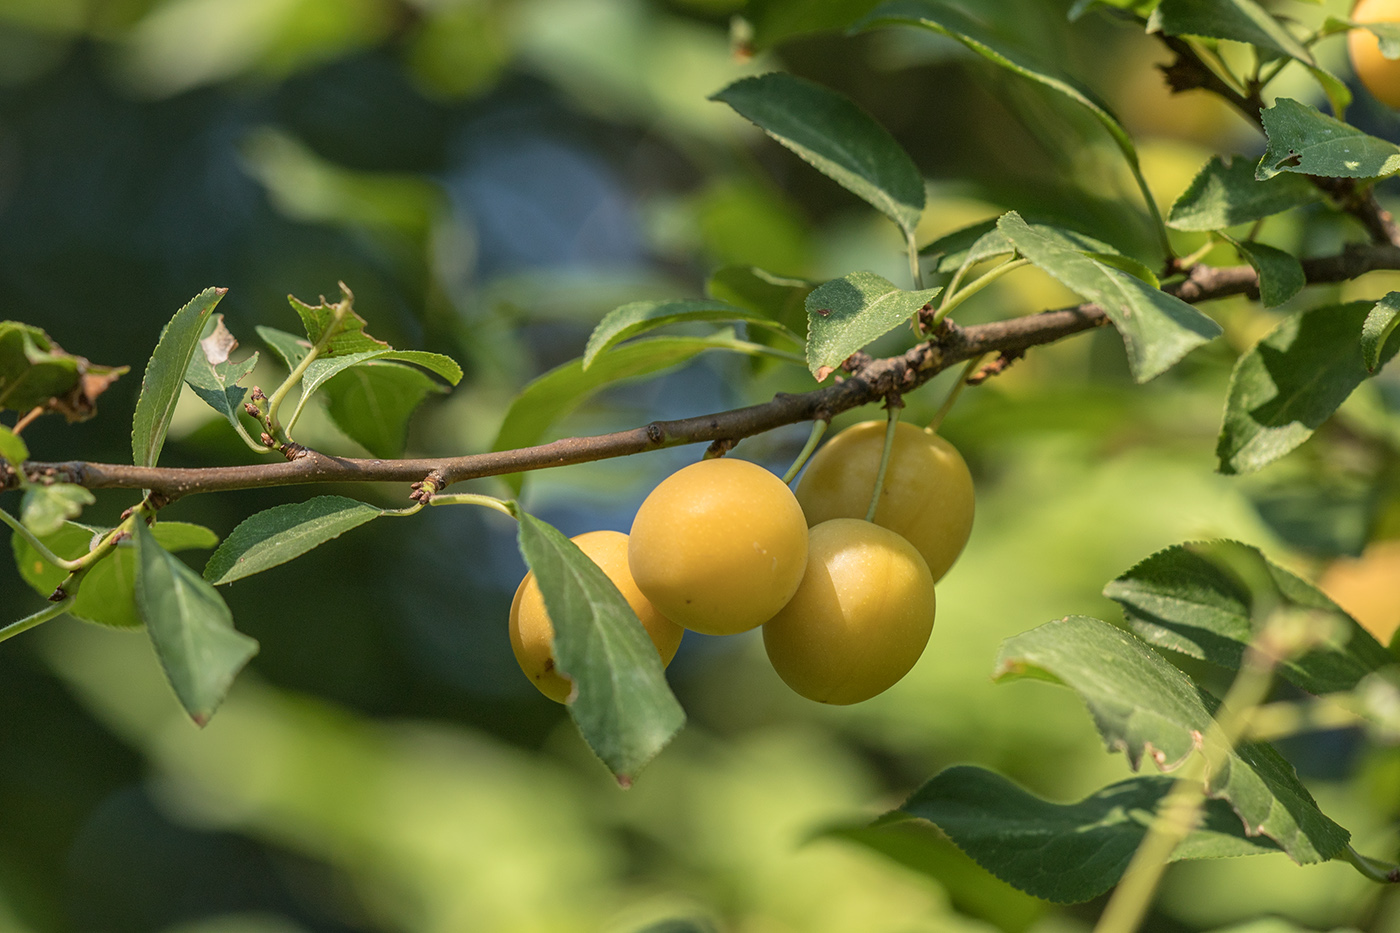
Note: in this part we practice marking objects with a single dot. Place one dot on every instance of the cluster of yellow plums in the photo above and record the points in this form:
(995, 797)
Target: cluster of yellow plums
(723, 546)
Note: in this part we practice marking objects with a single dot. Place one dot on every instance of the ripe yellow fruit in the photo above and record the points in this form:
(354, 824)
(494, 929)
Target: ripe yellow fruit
(1368, 588)
(719, 546)
(927, 498)
(1381, 75)
(860, 619)
(532, 634)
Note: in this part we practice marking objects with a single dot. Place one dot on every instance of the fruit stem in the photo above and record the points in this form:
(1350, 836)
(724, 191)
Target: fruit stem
(954, 392)
(892, 406)
(818, 429)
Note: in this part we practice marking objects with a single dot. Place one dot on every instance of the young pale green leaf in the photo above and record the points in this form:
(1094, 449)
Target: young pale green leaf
(165, 373)
(621, 704)
(322, 369)
(283, 532)
(213, 376)
(291, 348)
(190, 626)
(372, 402)
(845, 314)
(1284, 388)
(1224, 194)
(1380, 323)
(1157, 329)
(35, 372)
(1304, 140)
(1239, 20)
(346, 327)
(1146, 708)
(44, 509)
(640, 316)
(1065, 853)
(1280, 274)
(1188, 598)
(561, 390)
(774, 296)
(107, 595)
(13, 450)
(837, 138)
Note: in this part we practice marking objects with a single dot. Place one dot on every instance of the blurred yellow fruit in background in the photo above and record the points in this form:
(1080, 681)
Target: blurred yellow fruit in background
(1381, 75)
(1368, 588)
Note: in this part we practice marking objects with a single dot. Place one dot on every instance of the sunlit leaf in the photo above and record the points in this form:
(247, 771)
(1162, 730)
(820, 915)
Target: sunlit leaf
(641, 316)
(12, 447)
(322, 369)
(283, 532)
(1239, 20)
(339, 319)
(373, 401)
(44, 509)
(1304, 140)
(1380, 323)
(165, 373)
(845, 314)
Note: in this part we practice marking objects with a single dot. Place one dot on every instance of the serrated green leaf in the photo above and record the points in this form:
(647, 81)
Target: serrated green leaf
(373, 401)
(1239, 20)
(845, 314)
(190, 627)
(213, 376)
(971, 244)
(1065, 853)
(322, 369)
(778, 297)
(1284, 388)
(107, 595)
(283, 532)
(558, 392)
(44, 509)
(13, 450)
(291, 348)
(1302, 139)
(165, 373)
(837, 138)
(1157, 329)
(641, 316)
(339, 319)
(1380, 323)
(1280, 274)
(1187, 598)
(1146, 708)
(622, 705)
(1225, 194)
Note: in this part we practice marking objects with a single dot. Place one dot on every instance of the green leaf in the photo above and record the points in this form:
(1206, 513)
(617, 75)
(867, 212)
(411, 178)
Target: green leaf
(1302, 139)
(837, 138)
(213, 376)
(190, 626)
(1380, 323)
(1284, 388)
(1239, 20)
(165, 372)
(35, 372)
(640, 316)
(774, 296)
(622, 705)
(107, 595)
(1066, 853)
(1224, 194)
(283, 532)
(845, 314)
(372, 402)
(322, 369)
(776, 20)
(13, 450)
(1280, 274)
(1190, 598)
(1157, 329)
(1388, 35)
(340, 320)
(1147, 708)
(45, 508)
(1338, 94)
(291, 348)
(558, 392)
(972, 244)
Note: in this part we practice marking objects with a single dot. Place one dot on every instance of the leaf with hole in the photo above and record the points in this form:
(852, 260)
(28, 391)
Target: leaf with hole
(845, 314)
(165, 373)
(1304, 140)
(1224, 194)
(283, 532)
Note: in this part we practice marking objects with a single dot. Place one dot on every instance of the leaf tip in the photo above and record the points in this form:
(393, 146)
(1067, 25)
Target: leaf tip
(624, 781)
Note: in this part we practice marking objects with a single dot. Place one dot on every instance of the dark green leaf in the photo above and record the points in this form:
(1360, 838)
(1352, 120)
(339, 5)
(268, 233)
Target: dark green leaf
(1188, 598)
(1239, 20)
(372, 402)
(276, 535)
(291, 348)
(165, 373)
(1157, 329)
(641, 316)
(776, 20)
(46, 508)
(761, 292)
(1380, 323)
(971, 244)
(1290, 382)
(1280, 274)
(12, 447)
(190, 626)
(213, 376)
(622, 705)
(1147, 708)
(845, 314)
(36, 372)
(836, 137)
(1302, 139)
(1223, 195)
(1064, 853)
(1140, 8)
(346, 327)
